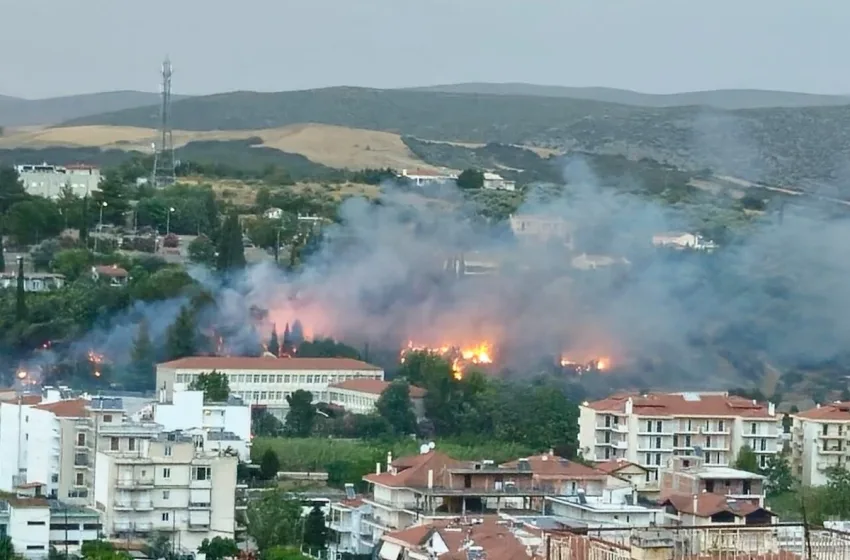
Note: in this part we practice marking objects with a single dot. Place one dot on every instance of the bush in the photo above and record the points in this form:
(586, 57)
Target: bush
(144, 244)
(171, 241)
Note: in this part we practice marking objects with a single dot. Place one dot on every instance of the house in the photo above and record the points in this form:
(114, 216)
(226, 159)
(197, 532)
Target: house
(50, 180)
(634, 473)
(539, 228)
(33, 281)
(421, 177)
(715, 509)
(361, 395)
(690, 475)
(683, 240)
(347, 533)
(616, 508)
(273, 214)
(495, 182)
(265, 381)
(113, 275)
(649, 429)
(819, 441)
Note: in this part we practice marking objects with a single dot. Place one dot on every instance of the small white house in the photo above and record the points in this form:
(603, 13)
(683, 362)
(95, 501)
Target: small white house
(422, 177)
(683, 240)
(495, 182)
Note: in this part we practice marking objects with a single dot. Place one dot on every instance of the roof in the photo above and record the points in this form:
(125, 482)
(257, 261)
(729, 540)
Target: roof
(683, 404)
(268, 363)
(24, 501)
(550, 465)
(114, 270)
(708, 504)
(781, 555)
(424, 173)
(613, 466)
(374, 387)
(72, 408)
(412, 471)
(723, 473)
(352, 503)
(837, 411)
(495, 540)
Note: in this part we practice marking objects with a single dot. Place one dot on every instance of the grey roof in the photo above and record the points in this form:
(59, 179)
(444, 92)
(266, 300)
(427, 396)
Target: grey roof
(107, 403)
(176, 436)
(220, 435)
(61, 509)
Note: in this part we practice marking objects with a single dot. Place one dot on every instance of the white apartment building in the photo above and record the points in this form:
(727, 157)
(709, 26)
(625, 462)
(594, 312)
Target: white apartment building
(48, 180)
(421, 177)
(361, 395)
(266, 381)
(149, 481)
(650, 429)
(347, 533)
(221, 425)
(820, 439)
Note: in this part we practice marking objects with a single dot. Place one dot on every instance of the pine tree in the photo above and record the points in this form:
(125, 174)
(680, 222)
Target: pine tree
(315, 530)
(84, 222)
(274, 345)
(181, 340)
(287, 339)
(297, 333)
(144, 358)
(20, 294)
(231, 251)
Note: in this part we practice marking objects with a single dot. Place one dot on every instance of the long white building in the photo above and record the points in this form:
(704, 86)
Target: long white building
(48, 180)
(265, 381)
(650, 429)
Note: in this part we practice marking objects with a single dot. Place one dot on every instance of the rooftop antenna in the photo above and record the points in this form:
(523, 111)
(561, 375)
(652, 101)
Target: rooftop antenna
(163, 157)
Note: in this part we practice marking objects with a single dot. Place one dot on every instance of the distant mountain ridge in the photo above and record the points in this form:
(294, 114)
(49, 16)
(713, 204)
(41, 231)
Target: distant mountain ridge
(15, 111)
(730, 99)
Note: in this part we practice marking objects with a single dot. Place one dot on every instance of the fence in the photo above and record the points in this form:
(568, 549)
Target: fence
(719, 542)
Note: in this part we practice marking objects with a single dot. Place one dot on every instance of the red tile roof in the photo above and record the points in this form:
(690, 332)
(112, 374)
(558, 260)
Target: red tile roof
(708, 504)
(552, 466)
(352, 503)
(676, 404)
(496, 541)
(72, 408)
(837, 411)
(613, 466)
(412, 471)
(781, 555)
(114, 271)
(375, 387)
(268, 363)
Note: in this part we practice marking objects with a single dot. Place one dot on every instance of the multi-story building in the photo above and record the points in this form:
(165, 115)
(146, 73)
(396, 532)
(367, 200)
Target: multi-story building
(49, 180)
(150, 481)
(650, 429)
(221, 425)
(690, 476)
(266, 381)
(820, 440)
(361, 395)
(347, 532)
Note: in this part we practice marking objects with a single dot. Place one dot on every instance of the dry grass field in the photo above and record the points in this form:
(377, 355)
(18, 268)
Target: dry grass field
(334, 146)
(244, 192)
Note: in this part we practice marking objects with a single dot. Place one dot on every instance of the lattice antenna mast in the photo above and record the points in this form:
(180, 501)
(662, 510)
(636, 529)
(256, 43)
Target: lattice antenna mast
(163, 159)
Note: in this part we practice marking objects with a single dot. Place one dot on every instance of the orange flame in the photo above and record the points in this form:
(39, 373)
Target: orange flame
(460, 356)
(598, 364)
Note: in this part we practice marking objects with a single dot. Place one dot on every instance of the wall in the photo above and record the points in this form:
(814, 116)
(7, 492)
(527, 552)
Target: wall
(29, 527)
(187, 411)
(224, 496)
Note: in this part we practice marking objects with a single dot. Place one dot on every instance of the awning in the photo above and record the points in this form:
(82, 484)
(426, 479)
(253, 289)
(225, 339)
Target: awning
(390, 551)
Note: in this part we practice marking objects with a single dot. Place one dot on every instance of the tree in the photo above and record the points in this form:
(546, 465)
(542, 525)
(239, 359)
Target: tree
(143, 358)
(2, 255)
(395, 407)
(219, 548)
(159, 546)
(20, 294)
(7, 549)
(213, 384)
(111, 191)
(231, 251)
(274, 520)
(747, 460)
(287, 553)
(32, 220)
(102, 550)
(297, 334)
(779, 479)
(264, 423)
(327, 348)
(84, 222)
(11, 188)
(287, 340)
(202, 251)
(263, 200)
(315, 530)
(274, 345)
(181, 338)
(470, 179)
(42, 255)
(302, 413)
(269, 465)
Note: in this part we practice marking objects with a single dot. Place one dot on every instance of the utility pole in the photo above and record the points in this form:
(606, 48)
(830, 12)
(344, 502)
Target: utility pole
(163, 158)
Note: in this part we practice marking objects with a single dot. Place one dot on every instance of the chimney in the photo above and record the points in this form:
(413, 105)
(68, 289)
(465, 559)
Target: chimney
(771, 408)
(378, 467)
(629, 405)
(430, 479)
(389, 459)
(696, 504)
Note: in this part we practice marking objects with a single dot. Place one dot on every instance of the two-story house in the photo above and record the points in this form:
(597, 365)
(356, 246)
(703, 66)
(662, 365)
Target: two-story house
(690, 475)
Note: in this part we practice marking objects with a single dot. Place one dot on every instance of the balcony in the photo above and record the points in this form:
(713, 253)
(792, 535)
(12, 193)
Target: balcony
(145, 505)
(621, 444)
(341, 527)
(123, 506)
(200, 484)
(832, 450)
(715, 430)
(145, 483)
(199, 525)
(199, 505)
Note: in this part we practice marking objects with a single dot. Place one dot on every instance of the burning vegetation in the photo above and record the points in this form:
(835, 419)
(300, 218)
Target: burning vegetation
(461, 357)
(596, 365)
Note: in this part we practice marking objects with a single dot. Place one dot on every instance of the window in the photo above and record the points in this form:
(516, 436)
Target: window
(256, 379)
(708, 441)
(81, 439)
(166, 516)
(131, 444)
(658, 458)
(264, 379)
(81, 480)
(658, 443)
(309, 379)
(35, 523)
(825, 429)
(54, 478)
(201, 473)
(107, 418)
(690, 426)
(649, 425)
(675, 441)
(753, 428)
(687, 441)
(167, 451)
(166, 494)
(35, 546)
(286, 378)
(721, 426)
(278, 379)
(113, 444)
(166, 473)
(648, 459)
(658, 427)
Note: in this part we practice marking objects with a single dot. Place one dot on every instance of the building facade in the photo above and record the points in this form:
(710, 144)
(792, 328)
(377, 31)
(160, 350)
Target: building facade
(266, 381)
(361, 395)
(651, 429)
(820, 440)
(690, 476)
(347, 532)
(49, 180)
(495, 182)
(33, 281)
(421, 177)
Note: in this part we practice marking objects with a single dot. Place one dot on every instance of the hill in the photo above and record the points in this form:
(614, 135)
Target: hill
(15, 111)
(778, 145)
(721, 98)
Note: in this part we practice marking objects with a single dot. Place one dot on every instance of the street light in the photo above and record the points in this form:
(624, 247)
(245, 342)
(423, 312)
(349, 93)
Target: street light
(168, 221)
(100, 224)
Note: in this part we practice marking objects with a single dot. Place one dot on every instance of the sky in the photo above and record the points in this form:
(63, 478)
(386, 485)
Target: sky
(51, 48)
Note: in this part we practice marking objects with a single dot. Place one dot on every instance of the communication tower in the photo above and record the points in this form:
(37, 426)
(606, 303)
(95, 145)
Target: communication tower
(163, 157)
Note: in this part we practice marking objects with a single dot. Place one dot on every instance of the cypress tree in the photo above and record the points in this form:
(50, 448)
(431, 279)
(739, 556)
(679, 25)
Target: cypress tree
(84, 222)
(274, 345)
(231, 251)
(20, 294)
(2, 256)
(182, 340)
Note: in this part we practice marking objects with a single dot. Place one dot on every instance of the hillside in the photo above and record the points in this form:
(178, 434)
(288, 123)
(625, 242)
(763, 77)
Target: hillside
(780, 145)
(721, 99)
(30, 112)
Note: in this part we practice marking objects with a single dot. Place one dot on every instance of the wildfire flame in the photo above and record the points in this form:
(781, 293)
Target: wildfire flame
(95, 358)
(460, 356)
(596, 364)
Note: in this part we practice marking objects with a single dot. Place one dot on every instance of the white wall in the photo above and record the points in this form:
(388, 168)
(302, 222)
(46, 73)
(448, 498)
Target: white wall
(103, 474)
(25, 535)
(39, 445)
(187, 411)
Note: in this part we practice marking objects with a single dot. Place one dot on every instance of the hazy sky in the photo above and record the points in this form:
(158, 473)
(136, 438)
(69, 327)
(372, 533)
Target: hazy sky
(55, 47)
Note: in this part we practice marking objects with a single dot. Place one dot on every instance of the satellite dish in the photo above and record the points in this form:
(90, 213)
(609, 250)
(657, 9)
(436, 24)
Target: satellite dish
(432, 445)
(423, 449)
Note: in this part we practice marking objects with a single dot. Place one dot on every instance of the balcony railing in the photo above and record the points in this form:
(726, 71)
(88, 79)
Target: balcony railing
(130, 483)
(199, 505)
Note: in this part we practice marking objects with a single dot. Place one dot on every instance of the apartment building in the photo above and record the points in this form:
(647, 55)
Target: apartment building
(49, 180)
(220, 425)
(151, 481)
(266, 381)
(690, 476)
(347, 532)
(820, 440)
(361, 395)
(649, 429)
